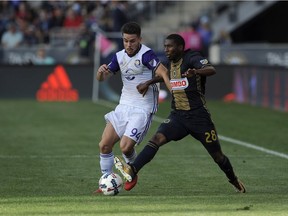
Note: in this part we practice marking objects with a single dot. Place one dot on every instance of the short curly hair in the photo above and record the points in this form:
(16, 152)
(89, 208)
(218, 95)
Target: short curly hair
(178, 39)
(131, 28)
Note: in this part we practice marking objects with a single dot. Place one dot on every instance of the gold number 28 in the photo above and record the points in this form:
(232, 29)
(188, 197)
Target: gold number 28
(211, 136)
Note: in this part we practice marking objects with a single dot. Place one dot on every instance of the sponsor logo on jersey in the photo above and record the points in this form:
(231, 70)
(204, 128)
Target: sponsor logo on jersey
(179, 84)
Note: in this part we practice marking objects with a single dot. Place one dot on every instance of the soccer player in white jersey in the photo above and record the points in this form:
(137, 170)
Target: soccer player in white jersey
(132, 117)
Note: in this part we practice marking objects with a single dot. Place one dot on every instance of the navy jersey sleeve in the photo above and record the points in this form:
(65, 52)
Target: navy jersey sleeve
(198, 61)
(113, 65)
(150, 60)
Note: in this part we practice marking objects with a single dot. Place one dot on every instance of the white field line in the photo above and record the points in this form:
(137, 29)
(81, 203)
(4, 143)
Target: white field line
(80, 157)
(45, 156)
(159, 120)
(241, 143)
(221, 137)
(252, 146)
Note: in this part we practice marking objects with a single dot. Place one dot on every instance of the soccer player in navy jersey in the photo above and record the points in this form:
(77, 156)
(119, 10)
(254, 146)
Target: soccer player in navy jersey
(189, 115)
(132, 117)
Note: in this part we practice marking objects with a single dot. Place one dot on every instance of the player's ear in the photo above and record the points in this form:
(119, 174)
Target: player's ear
(180, 48)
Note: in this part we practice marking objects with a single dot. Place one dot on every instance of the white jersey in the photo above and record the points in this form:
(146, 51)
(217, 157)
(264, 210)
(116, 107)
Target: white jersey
(135, 70)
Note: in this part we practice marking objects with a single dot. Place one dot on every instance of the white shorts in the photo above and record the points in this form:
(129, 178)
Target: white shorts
(130, 121)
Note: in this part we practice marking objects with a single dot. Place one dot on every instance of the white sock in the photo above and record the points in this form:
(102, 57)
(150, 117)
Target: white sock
(106, 162)
(131, 158)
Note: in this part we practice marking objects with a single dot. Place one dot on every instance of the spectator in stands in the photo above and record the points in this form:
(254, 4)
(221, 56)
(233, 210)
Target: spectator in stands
(85, 41)
(192, 38)
(36, 20)
(44, 24)
(105, 20)
(119, 17)
(206, 34)
(72, 18)
(11, 38)
(29, 36)
(6, 14)
(44, 20)
(224, 38)
(24, 12)
(57, 19)
(42, 58)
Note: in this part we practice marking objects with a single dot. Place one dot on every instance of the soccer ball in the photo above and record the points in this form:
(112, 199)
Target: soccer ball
(110, 184)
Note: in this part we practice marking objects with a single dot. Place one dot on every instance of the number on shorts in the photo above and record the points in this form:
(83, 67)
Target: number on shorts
(211, 136)
(134, 133)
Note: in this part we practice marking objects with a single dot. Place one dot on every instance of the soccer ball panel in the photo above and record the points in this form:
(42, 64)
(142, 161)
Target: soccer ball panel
(110, 184)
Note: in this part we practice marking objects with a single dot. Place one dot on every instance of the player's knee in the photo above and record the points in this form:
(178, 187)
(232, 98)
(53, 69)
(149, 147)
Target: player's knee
(127, 149)
(105, 148)
(218, 157)
(159, 139)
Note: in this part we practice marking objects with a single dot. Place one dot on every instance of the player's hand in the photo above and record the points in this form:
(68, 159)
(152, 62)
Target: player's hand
(103, 72)
(142, 88)
(103, 69)
(189, 73)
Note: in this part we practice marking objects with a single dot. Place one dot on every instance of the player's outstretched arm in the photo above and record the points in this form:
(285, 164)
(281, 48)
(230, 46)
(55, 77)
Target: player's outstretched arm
(162, 71)
(205, 71)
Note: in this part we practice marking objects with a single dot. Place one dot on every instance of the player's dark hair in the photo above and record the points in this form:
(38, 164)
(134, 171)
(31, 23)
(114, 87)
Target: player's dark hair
(178, 39)
(131, 28)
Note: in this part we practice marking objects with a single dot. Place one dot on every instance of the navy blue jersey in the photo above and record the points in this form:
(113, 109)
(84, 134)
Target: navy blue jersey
(188, 93)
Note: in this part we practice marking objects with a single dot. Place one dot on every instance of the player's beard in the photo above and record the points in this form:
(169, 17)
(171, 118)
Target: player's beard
(131, 51)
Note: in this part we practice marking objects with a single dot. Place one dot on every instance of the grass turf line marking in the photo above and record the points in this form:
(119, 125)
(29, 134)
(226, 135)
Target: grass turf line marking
(221, 137)
(252, 146)
(61, 157)
(239, 142)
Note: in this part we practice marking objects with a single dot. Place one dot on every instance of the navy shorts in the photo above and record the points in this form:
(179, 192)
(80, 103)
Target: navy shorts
(197, 123)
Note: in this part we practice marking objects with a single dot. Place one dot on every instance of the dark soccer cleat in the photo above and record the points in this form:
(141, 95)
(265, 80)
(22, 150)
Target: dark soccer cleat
(238, 185)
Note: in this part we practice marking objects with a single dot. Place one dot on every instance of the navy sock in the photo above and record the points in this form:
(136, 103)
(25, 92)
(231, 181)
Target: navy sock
(145, 156)
(227, 168)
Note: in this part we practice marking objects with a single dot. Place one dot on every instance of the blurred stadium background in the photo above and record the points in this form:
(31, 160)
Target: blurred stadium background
(58, 44)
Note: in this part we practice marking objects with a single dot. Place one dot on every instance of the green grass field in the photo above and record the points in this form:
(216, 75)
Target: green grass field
(49, 164)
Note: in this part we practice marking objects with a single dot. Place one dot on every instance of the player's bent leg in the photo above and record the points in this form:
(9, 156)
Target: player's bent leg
(130, 158)
(109, 138)
(226, 166)
(127, 146)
